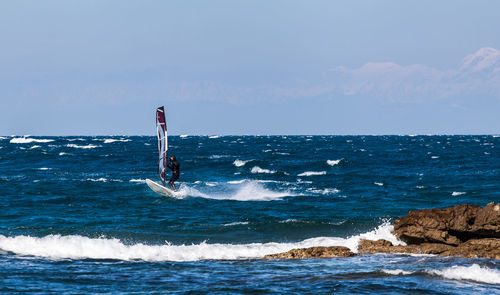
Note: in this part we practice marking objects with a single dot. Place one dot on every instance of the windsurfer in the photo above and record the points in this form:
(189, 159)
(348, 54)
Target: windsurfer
(175, 167)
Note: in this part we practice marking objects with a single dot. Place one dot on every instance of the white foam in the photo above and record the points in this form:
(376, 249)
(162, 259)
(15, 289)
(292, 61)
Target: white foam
(257, 169)
(29, 140)
(435, 157)
(239, 163)
(111, 140)
(251, 191)
(44, 168)
(90, 146)
(333, 162)
(138, 180)
(75, 139)
(183, 135)
(325, 191)
(457, 193)
(81, 247)
(470, 273)
(214, 136)
(378, 183)
(1, 137)
(34, 147)
(312, 173)
(102, 179)
(63, 154)
(397, 272)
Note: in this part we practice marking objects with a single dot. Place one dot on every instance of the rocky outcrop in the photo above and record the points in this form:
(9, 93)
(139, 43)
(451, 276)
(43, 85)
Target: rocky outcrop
(313, 252)
(451, 226)
(464, 231)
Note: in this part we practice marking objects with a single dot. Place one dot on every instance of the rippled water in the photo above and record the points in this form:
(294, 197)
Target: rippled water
(76, 215)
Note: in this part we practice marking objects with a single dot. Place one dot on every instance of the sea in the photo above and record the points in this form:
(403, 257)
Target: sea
(76, 216)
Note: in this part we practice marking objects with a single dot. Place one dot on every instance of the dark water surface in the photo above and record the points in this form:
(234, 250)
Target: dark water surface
(77, 217)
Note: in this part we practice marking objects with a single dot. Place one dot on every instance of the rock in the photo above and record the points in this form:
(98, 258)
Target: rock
(313, 252)
(486, 248)
(384, 246)
(451, 226)
(433, 248)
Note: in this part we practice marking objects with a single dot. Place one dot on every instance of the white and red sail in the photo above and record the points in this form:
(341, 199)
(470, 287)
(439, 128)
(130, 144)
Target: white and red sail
(161, 129)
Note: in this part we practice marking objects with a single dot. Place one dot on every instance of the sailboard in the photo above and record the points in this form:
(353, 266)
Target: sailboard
(161, 130)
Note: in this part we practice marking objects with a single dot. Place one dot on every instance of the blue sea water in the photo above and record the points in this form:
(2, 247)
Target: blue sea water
(77, 217)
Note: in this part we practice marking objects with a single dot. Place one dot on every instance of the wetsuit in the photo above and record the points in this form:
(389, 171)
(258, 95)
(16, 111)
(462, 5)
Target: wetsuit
(174, 166)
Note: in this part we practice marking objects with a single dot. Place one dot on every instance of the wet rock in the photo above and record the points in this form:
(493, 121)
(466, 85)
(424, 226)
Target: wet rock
(451, 226)
(313, 252)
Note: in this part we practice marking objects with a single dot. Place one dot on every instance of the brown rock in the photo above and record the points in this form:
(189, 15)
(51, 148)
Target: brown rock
(433, 248)
(452, 226)
(384, 246)
(486, 248)
(313, 252)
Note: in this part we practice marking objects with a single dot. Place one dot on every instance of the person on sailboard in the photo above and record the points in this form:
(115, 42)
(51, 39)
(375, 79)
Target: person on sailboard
(174, 166)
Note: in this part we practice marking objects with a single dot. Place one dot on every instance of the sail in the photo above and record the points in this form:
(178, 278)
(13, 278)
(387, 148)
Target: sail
(161, 129)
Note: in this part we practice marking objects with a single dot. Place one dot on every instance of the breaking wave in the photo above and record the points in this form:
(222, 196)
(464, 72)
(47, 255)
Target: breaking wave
(81, 247)
(29, 140)
(470, 273)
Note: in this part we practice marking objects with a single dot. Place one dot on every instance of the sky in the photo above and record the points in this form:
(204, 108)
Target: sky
(250, 67)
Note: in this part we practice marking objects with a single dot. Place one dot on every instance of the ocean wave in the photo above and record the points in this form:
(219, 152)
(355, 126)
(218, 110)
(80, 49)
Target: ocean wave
(240, 163)
(396, 272)
(257, 169)
(102, 179)
(111, 140)
(29, 140)
(183, 135)
(325, 191)
(214, 136)
(34, 147)
(378, 183)
(454, 194)
(470, 273)
(89, 146)
(333, 162)
(64, 154)
(81, 247)
(312, 173)
(1, 137)
(44, 168)
(236, 181)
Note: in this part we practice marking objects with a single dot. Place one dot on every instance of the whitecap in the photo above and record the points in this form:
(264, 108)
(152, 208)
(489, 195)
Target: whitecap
(257, 169)
(29, 140)
(378, 183)
(397, 272)
(138, 180)
(333, 162)
(470, 273)
(236, 181)
(102, 179)
(63, 154)
(44, 168)
(214, 136)
(435, 157)
(111, 140)
(34, 147)
(239, 163)
(183, 135)
(236, 223)
(90, 146)
(458, 193)
(312, 173)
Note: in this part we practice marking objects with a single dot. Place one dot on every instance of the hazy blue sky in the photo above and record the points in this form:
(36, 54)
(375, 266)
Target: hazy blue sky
(250, 67)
